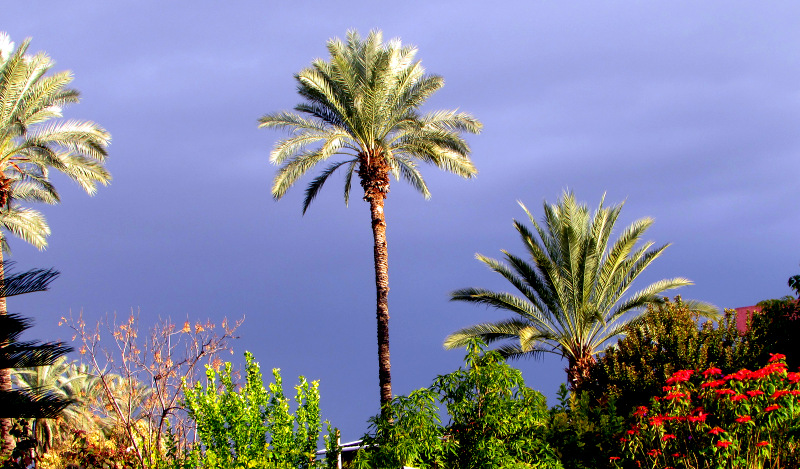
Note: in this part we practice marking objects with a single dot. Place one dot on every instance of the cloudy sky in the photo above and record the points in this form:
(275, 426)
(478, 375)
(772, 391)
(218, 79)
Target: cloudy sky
(689, 111)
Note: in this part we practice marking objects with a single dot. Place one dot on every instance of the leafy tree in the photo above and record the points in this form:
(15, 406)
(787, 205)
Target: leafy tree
(32, 142)
(494, 421)
(667, 339)
(582, 433)
(573, 292)
(363, 104)
(252, 426)
(777, 327)
(36, 402)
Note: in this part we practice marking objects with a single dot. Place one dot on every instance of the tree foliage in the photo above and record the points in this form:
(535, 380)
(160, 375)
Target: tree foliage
(253, 426)
(667, 339)
(494, 420)
(34, 139)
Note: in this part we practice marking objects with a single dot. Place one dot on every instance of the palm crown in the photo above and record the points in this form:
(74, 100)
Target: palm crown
(31, 144)
(574, 291)
(363, 103)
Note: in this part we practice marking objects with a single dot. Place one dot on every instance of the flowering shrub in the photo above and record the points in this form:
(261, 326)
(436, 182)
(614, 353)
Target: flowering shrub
(704, 419)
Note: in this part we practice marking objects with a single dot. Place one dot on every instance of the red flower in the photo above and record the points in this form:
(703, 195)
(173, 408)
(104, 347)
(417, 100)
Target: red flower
(680, 376)
(701, 417)
(793, 377)
(762, 443)
(776, 356)
(739, 397)
(716, 431)
(667, 437)
(614, 458)
(754, 393)
(722, 392)
(723, 444)
(654, 452)
(713, 384)
(675, 395)
(772, 407)
(779, 393)
(712, 372)
(657, 421)
(743, 419)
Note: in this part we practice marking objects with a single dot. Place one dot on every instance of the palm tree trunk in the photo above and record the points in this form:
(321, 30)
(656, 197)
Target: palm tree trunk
(6, 440)
(382, 286)
(578, 373)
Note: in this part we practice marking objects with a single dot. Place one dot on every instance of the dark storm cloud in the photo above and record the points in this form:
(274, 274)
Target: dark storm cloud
(687, 110)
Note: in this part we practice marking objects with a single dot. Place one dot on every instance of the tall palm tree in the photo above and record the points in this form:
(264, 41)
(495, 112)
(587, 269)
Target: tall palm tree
(363, 104)
(573, 291)
(32, 142)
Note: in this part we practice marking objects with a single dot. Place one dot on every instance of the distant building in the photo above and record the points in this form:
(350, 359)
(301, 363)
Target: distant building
(743, 316)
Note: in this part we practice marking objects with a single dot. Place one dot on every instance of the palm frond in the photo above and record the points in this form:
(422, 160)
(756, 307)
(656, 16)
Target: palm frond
(367, 93)
(317, 183)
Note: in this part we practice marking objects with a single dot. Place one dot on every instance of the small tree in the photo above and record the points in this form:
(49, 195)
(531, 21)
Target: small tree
(494, 421)
(142, 374)
(252, 426)
(667, 339)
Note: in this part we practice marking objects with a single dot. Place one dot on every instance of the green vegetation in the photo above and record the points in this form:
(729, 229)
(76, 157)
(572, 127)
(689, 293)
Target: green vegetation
(363, 104)
(494, 421)
(648, 384)
(573, 299)
(32, 142)
(252, 426)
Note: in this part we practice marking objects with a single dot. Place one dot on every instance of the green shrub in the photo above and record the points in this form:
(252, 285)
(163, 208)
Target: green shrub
(494, 420)
(666, 340)
(253, 426)
(584, 432)
(705, 419)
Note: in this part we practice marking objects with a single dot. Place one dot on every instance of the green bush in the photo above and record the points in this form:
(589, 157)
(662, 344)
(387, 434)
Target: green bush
(494, 421)
(666, 340)
(584, 432)
(253, 426)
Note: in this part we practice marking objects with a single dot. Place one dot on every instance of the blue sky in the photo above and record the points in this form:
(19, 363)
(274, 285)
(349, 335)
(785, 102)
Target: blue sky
(689, 111)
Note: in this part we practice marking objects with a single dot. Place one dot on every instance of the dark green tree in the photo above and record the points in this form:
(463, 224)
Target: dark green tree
(32, 402)
(667, 339)
(15, 353)
(494, 420)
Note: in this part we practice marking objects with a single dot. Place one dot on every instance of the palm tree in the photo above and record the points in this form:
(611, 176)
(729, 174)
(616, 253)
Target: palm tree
(363, 105)
(573, 294)
(32, 142)
(69, 382)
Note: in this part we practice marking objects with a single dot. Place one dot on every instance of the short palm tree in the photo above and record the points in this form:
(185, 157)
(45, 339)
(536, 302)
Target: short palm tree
(573, 290)
(68, 382)
(363, 105)
(32, 142)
